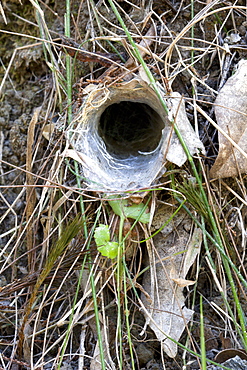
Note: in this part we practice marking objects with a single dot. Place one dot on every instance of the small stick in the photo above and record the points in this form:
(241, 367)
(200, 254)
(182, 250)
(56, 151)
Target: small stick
(76, 51)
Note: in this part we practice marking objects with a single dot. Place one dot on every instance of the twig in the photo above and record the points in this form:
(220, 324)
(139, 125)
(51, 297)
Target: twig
(76, 51)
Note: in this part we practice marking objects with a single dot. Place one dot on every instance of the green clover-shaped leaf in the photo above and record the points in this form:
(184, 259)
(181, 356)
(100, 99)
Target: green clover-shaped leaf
(102, 240)
(101, 235)
(109, 250)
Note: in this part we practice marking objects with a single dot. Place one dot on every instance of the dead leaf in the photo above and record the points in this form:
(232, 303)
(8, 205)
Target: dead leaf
(95, 362)
(165, 279)
(48, 131)
(224, 355)
(231, 116)
(177, 110)
(183, 282)
(27, 343)
(193, 250)
(162, 215)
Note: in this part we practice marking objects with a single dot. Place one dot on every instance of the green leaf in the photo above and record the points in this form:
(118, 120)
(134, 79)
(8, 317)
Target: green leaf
(134, 212)
(102, 240)
(110, 250)
(122, 208)
(102, 235)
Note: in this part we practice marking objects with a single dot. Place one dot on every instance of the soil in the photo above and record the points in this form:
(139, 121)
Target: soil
(30, 84)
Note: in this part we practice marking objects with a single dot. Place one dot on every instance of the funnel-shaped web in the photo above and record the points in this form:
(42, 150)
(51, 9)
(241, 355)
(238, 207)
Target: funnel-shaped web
(121, 132)
(125, 136)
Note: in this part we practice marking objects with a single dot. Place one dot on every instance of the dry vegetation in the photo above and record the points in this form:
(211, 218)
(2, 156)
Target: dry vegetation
(62, 304)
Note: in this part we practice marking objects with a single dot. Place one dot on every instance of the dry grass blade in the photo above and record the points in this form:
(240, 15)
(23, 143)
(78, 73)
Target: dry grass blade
(3, 14)
(30, 192)
(66, 237)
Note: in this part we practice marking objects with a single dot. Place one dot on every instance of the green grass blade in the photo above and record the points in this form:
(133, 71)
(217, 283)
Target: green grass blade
(202, 338)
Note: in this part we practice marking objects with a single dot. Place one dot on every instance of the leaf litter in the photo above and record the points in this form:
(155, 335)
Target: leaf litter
(168, 256)
(174, 251)
(231, 116)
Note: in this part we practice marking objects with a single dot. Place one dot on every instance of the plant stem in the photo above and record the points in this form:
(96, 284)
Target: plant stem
(94, 295)
(68, 63)
(192, 31)
(202, 337)
(119, 290)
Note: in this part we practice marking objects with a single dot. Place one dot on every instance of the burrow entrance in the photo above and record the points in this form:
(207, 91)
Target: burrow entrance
(130, 129)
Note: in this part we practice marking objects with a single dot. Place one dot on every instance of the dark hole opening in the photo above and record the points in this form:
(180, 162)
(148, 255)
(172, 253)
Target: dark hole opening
(129, 128)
